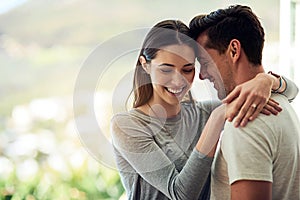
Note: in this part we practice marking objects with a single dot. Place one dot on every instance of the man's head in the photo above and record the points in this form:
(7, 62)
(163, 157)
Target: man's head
(234, 38)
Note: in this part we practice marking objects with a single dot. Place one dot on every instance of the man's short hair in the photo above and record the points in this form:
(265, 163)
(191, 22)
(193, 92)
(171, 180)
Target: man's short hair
(235, 22)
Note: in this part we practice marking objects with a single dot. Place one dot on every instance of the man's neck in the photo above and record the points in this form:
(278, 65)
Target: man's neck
(247, 72)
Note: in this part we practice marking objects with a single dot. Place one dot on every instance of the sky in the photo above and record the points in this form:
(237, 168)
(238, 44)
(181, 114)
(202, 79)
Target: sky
(6, 5)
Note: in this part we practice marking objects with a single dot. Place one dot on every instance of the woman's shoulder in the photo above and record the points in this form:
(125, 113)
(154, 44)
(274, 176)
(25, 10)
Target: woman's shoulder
(121, 115)
(132, 123)
(130, 117)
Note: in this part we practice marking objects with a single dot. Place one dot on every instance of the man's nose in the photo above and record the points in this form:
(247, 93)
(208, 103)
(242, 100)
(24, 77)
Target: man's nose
(201, 77)
(203, 72)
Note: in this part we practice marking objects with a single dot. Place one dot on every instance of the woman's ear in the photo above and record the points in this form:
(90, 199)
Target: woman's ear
(144, 64)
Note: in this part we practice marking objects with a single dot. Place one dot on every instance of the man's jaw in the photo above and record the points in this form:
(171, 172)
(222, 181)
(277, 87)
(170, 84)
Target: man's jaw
(219, 87)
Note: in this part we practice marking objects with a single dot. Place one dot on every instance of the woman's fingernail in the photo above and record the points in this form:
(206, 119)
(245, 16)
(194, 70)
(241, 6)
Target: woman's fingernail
(236, 124)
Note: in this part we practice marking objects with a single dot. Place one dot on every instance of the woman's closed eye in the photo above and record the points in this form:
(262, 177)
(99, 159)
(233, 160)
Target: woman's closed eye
(166, 69)
(188, 70)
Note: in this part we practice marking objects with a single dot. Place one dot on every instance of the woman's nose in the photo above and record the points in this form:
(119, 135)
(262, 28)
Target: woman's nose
(178, 79)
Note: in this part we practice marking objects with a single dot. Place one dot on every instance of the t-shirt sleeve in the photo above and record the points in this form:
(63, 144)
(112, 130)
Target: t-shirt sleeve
(136, 145)
(248, 151)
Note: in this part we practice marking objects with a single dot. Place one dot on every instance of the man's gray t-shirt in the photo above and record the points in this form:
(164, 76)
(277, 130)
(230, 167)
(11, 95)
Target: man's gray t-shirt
(267, 149)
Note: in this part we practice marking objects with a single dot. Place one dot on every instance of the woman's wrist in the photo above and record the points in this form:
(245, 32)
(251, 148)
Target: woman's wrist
(219, 113)
(279, 84)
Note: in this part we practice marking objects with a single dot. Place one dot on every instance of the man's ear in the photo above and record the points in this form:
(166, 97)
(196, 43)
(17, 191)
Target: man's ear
(144, 64)
(234, 49)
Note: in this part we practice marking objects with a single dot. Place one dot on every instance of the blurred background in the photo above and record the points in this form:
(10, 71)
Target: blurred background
(43, 47)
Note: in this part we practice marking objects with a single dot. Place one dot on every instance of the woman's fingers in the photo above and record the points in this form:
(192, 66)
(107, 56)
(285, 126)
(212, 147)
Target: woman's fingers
(235, 108)
(252, 106)
(272, 107)
(257, 110)
(232, 95)
(248, 110)
(245, 105)
(265, 111)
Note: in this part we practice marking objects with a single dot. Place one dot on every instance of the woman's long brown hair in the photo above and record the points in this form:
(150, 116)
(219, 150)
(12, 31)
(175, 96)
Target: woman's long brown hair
(168, 32)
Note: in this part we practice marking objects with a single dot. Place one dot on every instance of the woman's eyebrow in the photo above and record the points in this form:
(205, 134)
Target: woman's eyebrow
(166, 64)
(171, 65)
(189, 64)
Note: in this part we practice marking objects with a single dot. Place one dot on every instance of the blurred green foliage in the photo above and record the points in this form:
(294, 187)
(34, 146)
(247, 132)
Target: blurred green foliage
(100, 184)
(44, 159)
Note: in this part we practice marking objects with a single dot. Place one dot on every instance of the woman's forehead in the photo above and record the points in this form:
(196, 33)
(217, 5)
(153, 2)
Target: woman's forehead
(182, 51)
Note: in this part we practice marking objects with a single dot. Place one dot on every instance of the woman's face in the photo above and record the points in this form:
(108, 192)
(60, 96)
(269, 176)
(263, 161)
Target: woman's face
(172, 72)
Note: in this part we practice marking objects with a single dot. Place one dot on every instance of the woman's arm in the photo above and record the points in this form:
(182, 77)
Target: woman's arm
(137, 146)
(290, 89)
(252, 97)
(284, 86)
(207, 143)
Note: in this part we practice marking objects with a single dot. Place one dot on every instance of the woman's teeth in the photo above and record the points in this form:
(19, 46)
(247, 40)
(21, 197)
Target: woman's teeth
(175, 91)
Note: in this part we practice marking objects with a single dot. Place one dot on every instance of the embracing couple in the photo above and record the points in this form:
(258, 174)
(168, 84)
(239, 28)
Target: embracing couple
(169, 146)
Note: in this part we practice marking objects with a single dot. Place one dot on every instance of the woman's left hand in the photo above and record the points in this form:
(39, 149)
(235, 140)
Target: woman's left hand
(249, 99)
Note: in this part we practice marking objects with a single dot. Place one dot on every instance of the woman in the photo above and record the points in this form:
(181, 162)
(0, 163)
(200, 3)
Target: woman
(164, 147)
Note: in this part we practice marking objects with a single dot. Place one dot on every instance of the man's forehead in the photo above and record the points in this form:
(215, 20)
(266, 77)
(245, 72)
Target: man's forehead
(203, 54)
(202, 45)
(202, 38)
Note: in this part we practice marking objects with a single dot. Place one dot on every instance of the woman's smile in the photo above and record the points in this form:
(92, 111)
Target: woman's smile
(176, 91)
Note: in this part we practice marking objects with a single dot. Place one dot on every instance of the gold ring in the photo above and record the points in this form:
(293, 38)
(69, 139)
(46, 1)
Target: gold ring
(253, 105)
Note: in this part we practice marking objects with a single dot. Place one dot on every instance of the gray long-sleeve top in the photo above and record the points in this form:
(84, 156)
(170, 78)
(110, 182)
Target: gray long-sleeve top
(156, 163)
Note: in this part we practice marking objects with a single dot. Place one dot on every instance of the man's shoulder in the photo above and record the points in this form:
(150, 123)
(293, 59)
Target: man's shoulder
(269, 121)
(287, 117)
(265, 130)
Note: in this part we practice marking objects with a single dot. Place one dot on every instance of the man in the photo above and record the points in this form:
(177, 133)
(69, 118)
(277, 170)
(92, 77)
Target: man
(261, 160)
